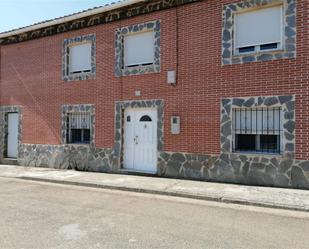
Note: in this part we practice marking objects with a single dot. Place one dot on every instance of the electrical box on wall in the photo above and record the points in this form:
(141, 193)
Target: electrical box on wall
(175, 125)
(171, 77)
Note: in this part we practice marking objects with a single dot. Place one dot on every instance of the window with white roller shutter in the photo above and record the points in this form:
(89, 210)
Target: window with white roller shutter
(139, 49)
(258, 30)
(80, 58)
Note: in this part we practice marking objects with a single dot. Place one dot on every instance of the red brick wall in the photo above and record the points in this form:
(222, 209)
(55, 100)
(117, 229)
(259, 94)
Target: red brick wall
(31, 77)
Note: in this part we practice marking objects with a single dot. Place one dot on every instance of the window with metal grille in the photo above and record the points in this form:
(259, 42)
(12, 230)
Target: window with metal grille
(257, 130)
(78, 128)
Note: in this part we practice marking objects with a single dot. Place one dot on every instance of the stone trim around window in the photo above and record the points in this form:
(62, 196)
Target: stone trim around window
(120, 70)
(289, 32)
(119, 110)
(287, 104)
(66, 75)
(66, 109)
(4, 110)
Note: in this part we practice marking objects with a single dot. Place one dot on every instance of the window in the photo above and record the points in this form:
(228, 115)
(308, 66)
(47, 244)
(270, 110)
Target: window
(257, 130)
(258, 30)
(145, 118)
(78, 128)
(80, 58)
(139, 49)
(254, 31)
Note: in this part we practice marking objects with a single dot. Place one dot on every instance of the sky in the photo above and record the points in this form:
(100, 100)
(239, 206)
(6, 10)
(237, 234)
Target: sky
(19, 13)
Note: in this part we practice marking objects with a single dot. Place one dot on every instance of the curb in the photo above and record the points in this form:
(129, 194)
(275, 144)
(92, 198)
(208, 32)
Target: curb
(168, 193)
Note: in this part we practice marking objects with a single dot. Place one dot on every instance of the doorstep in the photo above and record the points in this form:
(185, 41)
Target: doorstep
(293, 199)
(9, 161)
(137, 172)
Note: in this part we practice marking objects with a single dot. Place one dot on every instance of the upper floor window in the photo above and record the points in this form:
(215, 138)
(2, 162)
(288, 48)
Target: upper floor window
(255, 31)
(79, 58)
(139, 49)
(258, 30)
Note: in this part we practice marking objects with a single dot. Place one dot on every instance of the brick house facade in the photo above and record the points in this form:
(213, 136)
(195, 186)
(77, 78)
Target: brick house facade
(194, 40)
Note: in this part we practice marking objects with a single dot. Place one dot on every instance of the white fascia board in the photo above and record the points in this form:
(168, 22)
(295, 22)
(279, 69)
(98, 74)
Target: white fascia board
(70, 18)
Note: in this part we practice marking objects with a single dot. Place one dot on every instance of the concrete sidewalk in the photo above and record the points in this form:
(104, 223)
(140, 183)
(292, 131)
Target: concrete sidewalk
(260, 196)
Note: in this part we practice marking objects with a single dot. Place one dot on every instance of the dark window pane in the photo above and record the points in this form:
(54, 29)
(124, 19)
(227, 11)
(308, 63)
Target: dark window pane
(137, 65)
(84, 71)
(269, 143)
(76, 136)
(79, 136)
(128, 118)
(68, 130)
(147, 64)
(245, 142)
(86, 136)
(145, 118)
(269, 46)
(246, 49)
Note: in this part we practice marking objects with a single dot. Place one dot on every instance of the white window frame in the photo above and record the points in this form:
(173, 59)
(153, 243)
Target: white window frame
(257, 48)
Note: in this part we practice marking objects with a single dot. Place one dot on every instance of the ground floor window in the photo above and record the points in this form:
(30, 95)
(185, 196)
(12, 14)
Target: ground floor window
(257, 130)
(78, 128)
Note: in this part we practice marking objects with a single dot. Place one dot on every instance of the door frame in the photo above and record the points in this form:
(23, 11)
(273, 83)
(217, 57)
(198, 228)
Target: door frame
(4, 111)
(120, 106)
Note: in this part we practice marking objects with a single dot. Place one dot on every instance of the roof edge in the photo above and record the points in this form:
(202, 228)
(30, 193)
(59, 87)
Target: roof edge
(69, 18)
(89, 18)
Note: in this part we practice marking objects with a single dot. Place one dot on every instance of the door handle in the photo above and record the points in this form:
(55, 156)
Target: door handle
(136, 140)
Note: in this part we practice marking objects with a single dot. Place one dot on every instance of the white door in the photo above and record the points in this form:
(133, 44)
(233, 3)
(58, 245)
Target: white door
(140, 140)
(12, 142)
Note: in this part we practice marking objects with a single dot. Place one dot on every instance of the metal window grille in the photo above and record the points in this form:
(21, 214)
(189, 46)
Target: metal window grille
(257, 129)
(78, 127)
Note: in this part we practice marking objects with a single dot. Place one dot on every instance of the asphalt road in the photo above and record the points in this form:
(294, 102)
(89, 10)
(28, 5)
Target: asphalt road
(44, 215)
